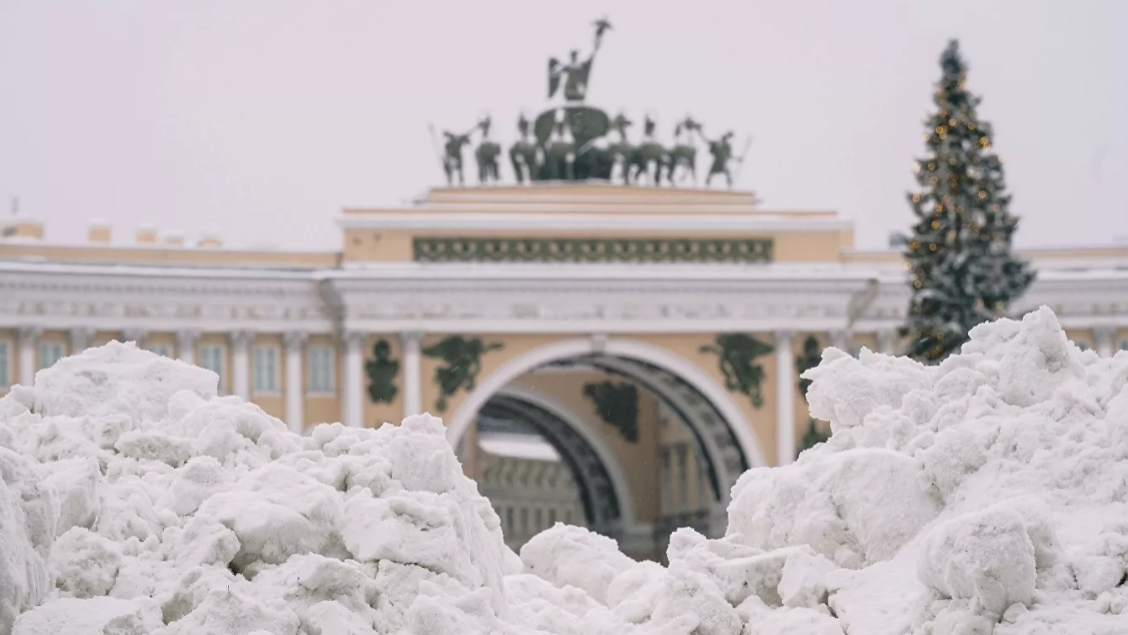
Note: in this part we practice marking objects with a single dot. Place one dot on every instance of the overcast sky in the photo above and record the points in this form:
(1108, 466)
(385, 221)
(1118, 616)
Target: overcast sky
(261, 119)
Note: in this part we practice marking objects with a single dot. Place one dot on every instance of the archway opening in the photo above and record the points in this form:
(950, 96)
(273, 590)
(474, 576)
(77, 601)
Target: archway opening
(630, 444)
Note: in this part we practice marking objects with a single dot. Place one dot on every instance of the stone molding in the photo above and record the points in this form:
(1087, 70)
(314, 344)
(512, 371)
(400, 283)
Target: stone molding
(498, 299)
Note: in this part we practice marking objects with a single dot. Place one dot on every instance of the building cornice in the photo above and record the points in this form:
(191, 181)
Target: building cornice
(692, 224)
(499, 298)
(157, 300)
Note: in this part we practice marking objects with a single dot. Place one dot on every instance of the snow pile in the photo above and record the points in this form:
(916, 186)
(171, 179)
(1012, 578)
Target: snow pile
(985, 495)
(175, 511)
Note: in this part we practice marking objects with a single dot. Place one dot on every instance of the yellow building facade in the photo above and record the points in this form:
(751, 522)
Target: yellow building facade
(519, 300)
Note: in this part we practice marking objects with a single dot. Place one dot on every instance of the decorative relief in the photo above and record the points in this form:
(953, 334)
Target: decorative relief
(616, 403)
(591, 250)
(382, 371)
(462, 362)
(737, 353)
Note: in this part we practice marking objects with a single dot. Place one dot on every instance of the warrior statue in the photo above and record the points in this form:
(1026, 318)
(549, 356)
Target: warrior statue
(622, 152)
(684, 154)
(649, 153)
(486, 154)
(721, 149)
(523, 153)
(576, 73)
(452, 158)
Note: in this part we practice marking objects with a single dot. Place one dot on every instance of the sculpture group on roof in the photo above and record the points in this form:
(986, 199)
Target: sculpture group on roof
(572, 141)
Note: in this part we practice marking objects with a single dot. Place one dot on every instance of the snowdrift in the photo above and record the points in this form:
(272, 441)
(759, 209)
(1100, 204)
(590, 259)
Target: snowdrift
(985, 495)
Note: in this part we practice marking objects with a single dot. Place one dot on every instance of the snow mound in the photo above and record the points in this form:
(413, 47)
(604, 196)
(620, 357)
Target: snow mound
(177, 511)
(985, 495)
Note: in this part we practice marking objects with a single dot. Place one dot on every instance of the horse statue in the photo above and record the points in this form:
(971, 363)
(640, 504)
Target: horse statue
(684, 155)
(649, 155)
(523, 154)
(560, 156)
(622, 152)
(486, 154)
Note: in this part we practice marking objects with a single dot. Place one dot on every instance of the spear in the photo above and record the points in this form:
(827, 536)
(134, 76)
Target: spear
(740, 161)
(436, 146)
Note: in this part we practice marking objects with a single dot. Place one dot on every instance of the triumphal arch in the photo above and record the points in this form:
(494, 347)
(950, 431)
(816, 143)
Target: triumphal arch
(611, 335)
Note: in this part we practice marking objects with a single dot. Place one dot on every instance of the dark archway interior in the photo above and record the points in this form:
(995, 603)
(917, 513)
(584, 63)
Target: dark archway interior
(647, 375)
(507, 413)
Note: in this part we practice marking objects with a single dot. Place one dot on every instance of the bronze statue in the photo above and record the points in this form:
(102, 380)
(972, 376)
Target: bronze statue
(576, 73)
(523, 154)
(452, 158)
(721, 149)
(574, 141)
(622, 152)
(650, 153)
(684, 155)
(486, 154)
(560, 156)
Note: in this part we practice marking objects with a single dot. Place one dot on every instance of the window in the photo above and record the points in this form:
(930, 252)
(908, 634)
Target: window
(524, 520)
(551, 517)
(539, 523)
(164, 350)
(266, 369)
(509, 524)
(1124, 345)
(320, 379)
(49, 353)
(5, 365)
(211, 358)
(567, 517)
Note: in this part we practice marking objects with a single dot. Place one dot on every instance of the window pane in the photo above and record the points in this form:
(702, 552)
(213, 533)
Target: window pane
(49, 353)
(320, 373)
(5, 364)
(265, 368)
(211, 358)
(271, 364)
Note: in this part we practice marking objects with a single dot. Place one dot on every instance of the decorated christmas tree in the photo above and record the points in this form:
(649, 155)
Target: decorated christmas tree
(959, 255)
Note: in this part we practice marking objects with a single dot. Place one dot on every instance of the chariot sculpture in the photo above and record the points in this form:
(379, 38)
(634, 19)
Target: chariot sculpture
(572, 140)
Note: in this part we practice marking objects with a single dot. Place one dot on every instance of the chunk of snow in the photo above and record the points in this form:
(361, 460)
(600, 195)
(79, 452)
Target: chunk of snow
(988, 494)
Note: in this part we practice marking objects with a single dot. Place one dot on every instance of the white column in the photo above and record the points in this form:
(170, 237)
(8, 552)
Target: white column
(785, 398)
(840, 339)
(28, 338)
(1104, 337)
(412, 371)
(241, 364)
(887, 340)
(353, 409)
(137, 336)
(295, 394)
(80, 338)
(186, 346)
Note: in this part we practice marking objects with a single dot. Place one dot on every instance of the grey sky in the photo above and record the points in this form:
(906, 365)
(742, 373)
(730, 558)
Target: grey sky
(261, 119)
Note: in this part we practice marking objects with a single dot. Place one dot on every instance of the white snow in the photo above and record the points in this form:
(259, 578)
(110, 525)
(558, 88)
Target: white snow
(987, 495)
(518, 446)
